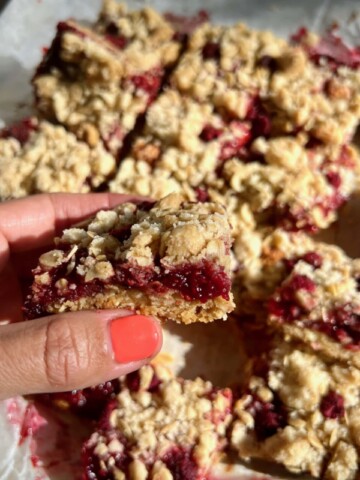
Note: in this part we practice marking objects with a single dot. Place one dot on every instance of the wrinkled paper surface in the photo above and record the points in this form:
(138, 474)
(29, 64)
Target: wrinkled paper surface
(41, 445)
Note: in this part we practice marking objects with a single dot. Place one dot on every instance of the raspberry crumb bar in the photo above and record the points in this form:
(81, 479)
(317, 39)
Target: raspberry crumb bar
(319, 303)
(301, 411)
(37, 157)
(159, 427)
(254, 74)
(169, 259)
(98, 88)
(188, 145)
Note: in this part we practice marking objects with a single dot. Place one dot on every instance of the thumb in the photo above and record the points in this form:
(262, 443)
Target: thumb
(74, 350)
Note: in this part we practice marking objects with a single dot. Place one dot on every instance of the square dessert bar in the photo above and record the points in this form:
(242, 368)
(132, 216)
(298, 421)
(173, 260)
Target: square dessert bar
(302, 411)
(95, 87)
(282, 180)
(262, 256)
(177, 150)
(318, 302)
(169, 259)
(159, 427)
(253, 74)
(307, 290)
(38, 157)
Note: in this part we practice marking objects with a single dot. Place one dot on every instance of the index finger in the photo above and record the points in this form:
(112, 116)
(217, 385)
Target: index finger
(32, 222)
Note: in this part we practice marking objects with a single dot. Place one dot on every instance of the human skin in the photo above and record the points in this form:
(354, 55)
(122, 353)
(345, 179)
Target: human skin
(68, 350)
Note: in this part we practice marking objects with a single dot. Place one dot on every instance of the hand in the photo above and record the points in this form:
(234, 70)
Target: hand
(65, 351)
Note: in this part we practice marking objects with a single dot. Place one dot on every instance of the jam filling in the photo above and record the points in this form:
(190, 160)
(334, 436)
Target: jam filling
(268, 62)
(21, 131)
(330, 48)
(312, 258)
(341, 324)
(332, 405)
(52, 58)
(118, 41)
(201, 281)
(182, 465)
(232, 147)
(95, 466)
(302, 220)
(211, 51)
(285, 303)
(259, 118)
(180, 462)
(149, 82)
(133, 382)
(269, 417)
(114, 36)
(202, 194)
(210, 133)
(89, 402)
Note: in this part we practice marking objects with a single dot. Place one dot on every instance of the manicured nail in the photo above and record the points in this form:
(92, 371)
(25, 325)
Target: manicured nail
(134, 338)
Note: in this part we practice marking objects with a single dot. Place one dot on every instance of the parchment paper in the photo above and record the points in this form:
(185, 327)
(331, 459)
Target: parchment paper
(37, 444)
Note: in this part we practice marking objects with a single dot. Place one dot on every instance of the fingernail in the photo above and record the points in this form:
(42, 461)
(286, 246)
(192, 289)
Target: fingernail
(134, 338)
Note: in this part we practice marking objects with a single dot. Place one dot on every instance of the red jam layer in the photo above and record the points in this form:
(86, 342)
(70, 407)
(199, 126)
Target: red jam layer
(133, 382)
(114, 36)
(200, 281)
(269, 417)
(285, 304)
(312, 258)
(94, 465)
(330, 48)
(302, 219)
(149, 82)
(89, 402)
(21, 131)
(182, 465)
(341, 324)
(332, 405)
(52, 58)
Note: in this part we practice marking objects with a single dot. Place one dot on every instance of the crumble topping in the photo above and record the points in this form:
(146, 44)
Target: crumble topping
(299, 414)
(187, 145)
(160, 427)
(144, 28)
(170, 259)
(96, 89)
(265, 256)
(37, 157)
(230, 66)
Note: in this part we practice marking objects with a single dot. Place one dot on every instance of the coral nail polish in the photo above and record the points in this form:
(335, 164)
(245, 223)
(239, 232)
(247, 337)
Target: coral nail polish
(133, 338)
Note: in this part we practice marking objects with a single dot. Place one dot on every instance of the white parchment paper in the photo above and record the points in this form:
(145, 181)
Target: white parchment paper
(50, 448)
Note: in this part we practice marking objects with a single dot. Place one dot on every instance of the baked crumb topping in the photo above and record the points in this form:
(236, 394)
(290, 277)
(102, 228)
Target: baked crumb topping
(160, 427)
(299, 413)
(38, 157)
